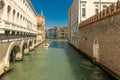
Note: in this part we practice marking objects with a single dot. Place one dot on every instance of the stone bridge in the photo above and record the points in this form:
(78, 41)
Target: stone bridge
(14, 50)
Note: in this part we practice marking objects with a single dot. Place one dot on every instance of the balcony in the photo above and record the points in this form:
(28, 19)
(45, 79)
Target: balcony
(5, 25)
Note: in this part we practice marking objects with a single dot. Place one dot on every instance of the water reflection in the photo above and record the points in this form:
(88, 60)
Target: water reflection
(59, 62)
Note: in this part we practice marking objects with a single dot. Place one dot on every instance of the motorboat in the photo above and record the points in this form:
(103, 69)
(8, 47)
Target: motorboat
(46, 45)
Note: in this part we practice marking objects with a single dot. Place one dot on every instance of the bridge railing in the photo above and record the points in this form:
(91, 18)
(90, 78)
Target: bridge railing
(5, 25)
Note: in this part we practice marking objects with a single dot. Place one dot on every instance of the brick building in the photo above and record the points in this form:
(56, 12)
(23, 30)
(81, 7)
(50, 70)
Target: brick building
(99, 38)
(81, 10)
(40, 28)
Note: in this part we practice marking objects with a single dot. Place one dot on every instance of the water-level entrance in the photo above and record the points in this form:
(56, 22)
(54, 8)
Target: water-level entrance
(58, 62)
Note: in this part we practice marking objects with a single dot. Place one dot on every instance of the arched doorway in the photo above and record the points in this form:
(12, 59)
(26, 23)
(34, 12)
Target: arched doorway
(96, 50)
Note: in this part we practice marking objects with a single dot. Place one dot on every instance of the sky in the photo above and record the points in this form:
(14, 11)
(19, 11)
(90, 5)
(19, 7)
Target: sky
(55, 11)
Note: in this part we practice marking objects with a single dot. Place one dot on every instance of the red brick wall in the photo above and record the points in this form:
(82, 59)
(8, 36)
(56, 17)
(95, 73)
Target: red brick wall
(107, 32)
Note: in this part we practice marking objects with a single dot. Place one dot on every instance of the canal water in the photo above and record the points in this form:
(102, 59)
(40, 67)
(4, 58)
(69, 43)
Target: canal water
(58, 62)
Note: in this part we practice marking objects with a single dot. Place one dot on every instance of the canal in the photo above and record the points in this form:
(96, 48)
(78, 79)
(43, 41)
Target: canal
(58, 62)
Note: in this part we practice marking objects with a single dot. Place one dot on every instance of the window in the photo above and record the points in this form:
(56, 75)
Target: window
(0, 4)
(96, 11)
(62, 33)
(83, 5)
(83, 12)
(23, 1)
(96, 6)
(104, 7)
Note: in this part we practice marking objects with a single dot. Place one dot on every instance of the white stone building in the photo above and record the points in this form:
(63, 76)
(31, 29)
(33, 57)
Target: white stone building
(17, 17)
(79, 11)
(18, 31)
(57, 33)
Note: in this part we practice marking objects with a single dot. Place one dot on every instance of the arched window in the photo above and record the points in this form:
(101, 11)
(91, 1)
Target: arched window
(8, 12)
(21, 20)
(18, 18)
(14, 15)
(1, 4)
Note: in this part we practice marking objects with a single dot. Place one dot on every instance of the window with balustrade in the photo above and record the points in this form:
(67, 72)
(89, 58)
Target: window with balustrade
(83, 10)
(96, 9)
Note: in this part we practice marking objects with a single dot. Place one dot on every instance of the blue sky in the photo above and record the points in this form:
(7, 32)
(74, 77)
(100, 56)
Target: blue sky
(55, 11)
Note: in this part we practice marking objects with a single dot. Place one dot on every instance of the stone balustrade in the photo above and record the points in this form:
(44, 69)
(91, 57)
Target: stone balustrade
(15, 27)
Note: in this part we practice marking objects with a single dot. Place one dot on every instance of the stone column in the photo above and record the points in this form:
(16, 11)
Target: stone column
(19, 56)
(26, 51)
(32, 47)
(1, 69)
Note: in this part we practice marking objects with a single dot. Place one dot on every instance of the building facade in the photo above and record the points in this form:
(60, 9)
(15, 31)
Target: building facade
(40, 28)
(18, 31)
(57, 33)
(99, 39)
(18, 18)
(50, 33)
(81, 10)
(63, 33)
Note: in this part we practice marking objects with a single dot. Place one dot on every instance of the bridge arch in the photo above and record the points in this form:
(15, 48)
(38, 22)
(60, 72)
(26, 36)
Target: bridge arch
(34, 42)
(24, 47)
(15, 53)
(96, 50)
(31, 44)
(12, 50)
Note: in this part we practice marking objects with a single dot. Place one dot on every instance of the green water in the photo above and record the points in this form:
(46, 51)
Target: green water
(59, 62)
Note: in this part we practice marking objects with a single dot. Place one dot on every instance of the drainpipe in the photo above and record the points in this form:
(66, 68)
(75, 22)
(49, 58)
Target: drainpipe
(80, 10)
(79, 21)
